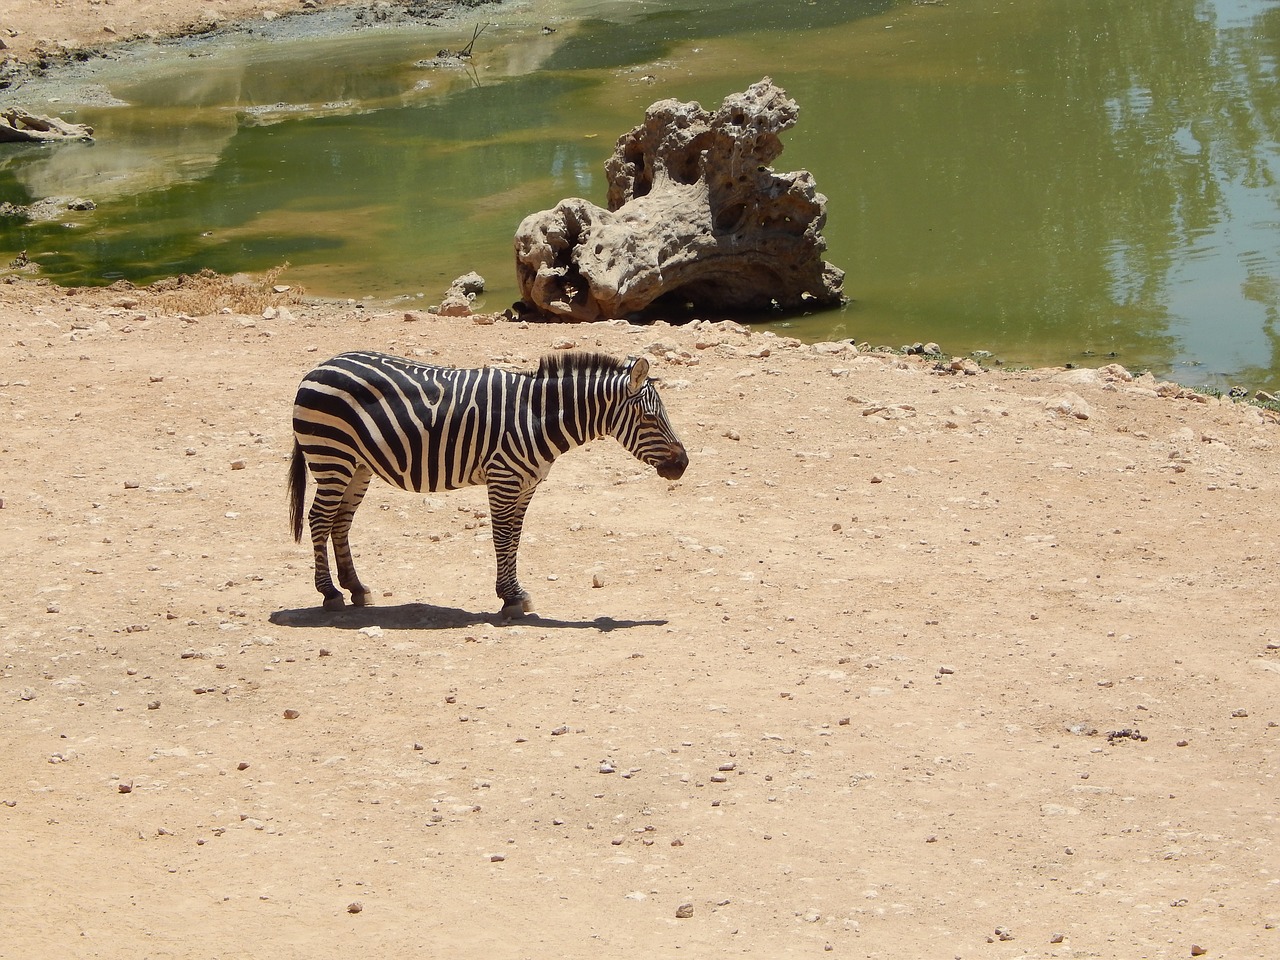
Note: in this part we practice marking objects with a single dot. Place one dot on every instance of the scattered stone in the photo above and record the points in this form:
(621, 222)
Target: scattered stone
(1070, 404)
(292, 714)
(460, 296)
(684, 911)
(1126, 734)
(1197, 950)
(355, 906)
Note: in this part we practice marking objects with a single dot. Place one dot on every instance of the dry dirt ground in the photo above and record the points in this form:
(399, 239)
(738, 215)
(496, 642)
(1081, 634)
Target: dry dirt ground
(910, 664)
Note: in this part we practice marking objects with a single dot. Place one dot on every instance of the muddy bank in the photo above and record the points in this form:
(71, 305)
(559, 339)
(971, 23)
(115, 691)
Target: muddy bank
(54, 54)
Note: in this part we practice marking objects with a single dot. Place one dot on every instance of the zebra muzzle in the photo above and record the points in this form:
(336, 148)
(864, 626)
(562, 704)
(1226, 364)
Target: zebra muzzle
(673, 467)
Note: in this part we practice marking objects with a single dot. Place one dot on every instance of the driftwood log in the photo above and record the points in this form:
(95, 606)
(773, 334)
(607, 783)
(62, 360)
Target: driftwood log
(19, 126)
(696, 216)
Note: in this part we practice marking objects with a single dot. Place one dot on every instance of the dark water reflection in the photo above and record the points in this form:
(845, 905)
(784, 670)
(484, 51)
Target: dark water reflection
(1048, 181)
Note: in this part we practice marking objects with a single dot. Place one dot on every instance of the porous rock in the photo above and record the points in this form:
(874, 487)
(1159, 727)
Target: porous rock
(695, 215)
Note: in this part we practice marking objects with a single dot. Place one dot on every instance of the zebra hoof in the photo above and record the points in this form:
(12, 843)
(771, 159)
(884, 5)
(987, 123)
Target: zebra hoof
(517, 608)
(361, 599)
(334, 603)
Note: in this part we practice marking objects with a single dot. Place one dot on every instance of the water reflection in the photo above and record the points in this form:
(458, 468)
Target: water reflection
(1043, 180)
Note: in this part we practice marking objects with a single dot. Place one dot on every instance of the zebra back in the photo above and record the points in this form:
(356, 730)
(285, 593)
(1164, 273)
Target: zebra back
(424, 427)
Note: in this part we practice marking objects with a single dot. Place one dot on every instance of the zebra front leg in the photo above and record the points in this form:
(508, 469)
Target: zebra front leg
(351, 498)
(508, 500)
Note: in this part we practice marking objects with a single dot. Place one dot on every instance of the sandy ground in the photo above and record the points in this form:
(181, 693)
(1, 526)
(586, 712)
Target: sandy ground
(906, 658)
(911, 663)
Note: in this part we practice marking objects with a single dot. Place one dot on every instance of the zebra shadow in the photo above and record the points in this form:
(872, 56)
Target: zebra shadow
(427, 616)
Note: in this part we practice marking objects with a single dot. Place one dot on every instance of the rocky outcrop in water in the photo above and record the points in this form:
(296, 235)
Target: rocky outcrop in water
(696, 216)
(19, 126)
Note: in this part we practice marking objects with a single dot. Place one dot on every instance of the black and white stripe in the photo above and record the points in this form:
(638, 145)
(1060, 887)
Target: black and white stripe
(427, 428)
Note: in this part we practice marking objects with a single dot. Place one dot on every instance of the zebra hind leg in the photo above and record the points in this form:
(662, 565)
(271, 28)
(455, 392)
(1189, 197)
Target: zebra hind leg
(328, 499)
(351, 498)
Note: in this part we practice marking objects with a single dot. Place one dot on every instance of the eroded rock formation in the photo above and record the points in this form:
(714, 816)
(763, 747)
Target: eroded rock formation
(695, 215)
(19, 126)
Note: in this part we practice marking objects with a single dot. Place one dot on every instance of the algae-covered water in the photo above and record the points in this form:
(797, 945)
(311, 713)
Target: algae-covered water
(1048, 180)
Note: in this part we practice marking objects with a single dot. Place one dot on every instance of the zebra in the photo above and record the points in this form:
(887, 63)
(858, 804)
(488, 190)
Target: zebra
(427, 428)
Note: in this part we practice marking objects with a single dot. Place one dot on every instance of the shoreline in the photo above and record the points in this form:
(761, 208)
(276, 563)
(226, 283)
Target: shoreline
(55, 74)
(63, 69)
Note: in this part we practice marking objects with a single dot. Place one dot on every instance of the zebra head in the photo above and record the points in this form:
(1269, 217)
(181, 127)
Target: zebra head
(643, 428)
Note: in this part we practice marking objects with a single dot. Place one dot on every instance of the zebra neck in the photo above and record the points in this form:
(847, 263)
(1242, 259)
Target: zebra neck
(585, 408)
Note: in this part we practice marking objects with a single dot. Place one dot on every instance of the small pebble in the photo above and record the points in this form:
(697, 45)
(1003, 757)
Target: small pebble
(684, 911)
(355, 906)
(1197, 950)
(292, 714)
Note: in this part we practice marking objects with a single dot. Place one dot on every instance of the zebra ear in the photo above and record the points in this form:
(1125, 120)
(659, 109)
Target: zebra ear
(639, 372)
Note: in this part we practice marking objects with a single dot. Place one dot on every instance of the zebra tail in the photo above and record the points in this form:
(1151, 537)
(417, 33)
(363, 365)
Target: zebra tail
(297, 489)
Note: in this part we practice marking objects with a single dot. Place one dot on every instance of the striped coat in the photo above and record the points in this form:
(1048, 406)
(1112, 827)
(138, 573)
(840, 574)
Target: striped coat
(425, 428)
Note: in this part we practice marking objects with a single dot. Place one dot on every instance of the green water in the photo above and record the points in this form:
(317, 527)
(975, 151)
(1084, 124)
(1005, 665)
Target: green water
(1049, 180)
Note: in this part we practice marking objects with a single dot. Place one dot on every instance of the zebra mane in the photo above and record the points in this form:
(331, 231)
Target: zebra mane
(570, 362)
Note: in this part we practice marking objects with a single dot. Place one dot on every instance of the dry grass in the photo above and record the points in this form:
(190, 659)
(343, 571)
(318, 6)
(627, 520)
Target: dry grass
(208, 292)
